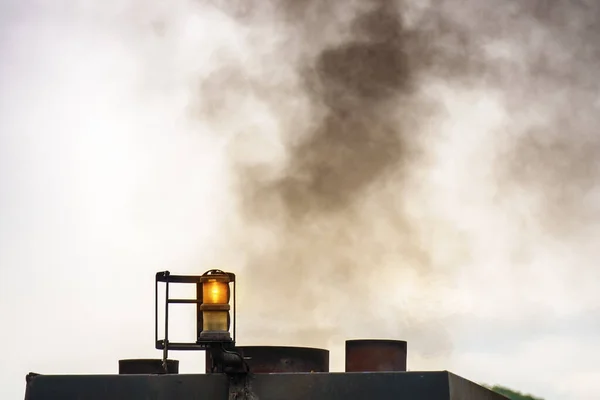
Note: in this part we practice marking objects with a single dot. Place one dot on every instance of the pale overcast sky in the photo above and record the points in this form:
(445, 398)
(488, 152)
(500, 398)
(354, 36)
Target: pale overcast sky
(111, 169)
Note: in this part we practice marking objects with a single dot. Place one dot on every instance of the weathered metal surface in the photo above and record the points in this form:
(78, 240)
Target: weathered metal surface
(279, 359)
(371, 355)
(128, 387)
(300, 386)
(147, 366)
(353, 386)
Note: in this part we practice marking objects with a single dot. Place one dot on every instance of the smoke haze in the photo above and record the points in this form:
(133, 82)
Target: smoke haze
(425, 171)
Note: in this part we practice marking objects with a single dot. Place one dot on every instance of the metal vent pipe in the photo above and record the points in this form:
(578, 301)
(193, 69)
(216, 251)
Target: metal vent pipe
(371, 355)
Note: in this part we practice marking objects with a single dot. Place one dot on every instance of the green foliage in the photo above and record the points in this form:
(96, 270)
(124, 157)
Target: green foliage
(511, 394)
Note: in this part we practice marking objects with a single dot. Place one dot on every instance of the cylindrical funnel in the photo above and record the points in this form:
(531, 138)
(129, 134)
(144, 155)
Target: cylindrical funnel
(370, 355)
(279, 359)
(147, 366)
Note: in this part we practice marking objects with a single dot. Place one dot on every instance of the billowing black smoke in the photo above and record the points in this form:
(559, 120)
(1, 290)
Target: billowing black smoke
(336, 206)
(362, 92)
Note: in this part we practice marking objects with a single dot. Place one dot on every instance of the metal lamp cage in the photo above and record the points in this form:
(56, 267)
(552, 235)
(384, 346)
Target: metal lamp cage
(200, 344)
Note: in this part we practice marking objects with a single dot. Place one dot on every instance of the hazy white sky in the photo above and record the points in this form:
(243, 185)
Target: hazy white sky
(106, 177)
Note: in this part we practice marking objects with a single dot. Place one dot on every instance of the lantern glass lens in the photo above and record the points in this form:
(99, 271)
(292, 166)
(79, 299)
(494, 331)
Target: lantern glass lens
(215, 292)
(215, 320)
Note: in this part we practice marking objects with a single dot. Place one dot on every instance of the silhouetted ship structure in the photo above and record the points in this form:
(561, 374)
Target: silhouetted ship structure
(374, 369)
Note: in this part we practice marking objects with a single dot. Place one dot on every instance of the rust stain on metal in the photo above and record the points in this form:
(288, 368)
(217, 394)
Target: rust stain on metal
(375, 355)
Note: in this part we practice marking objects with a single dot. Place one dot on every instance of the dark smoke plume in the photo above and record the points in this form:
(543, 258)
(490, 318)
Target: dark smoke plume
(341, 220)
(366, 118)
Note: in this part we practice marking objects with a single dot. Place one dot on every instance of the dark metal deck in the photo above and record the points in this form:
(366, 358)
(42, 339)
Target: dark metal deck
(297, 386)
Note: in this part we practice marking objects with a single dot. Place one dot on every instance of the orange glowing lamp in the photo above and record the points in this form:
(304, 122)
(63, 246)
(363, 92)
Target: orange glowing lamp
(215, 305)
(215, 290)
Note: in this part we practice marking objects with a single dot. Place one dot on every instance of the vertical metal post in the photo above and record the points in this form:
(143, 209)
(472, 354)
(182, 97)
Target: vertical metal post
(234, 315)
(199, 300)
(156, 310)
(166, 348)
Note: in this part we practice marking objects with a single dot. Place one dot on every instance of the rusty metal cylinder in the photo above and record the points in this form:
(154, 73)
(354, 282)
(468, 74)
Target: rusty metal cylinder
(281, 359)
(147, 366)
(371, 355)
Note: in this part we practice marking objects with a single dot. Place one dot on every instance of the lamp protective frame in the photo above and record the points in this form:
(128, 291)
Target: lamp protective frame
(201, 343)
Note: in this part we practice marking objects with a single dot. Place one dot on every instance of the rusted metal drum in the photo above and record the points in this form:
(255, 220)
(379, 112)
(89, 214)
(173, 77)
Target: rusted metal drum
(371, 355)
(147, 366)
(281, 359)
